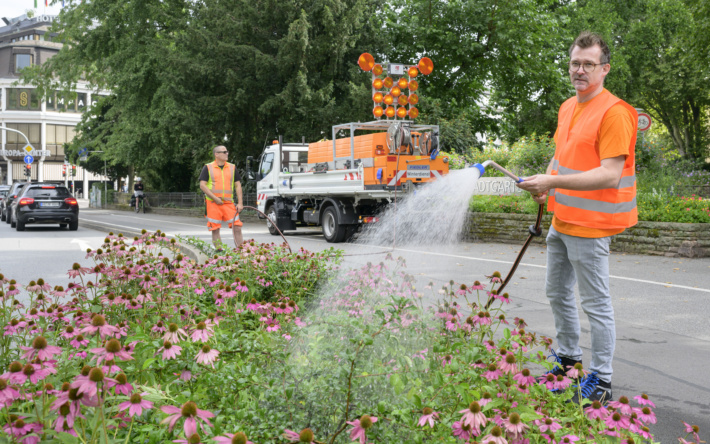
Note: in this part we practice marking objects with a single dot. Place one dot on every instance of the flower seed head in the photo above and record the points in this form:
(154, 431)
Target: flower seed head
(66, 386)
(427, 411)
(75, 266)
(136, 398)
(624, 400)
(85, 370)
(39, 343)
(514, 418)
(113, 346)
(80, 337)
(491, 367)
(167, 345)
(64, 409)
(497, 432)
(306, 435)
(28, 370)
(474, 407)
(98, 321)
(365, 422)
(48, 387)
(74, 394)
(496, 274)
(121, 378)
(194, 438)
(96, 375)
(189, 409)
(206, 348)
(172, 327)
(239, 438)
(578, 366)
(19, 424)
(510, 358)
(201, 326)
(3, 384)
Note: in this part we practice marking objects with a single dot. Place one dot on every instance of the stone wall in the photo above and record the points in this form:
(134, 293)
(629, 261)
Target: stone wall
(656, 238)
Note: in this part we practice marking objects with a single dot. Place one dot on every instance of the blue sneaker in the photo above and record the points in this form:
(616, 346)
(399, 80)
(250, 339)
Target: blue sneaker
(593, 389)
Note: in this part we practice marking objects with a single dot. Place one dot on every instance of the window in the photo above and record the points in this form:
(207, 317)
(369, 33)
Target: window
(267, 163)
(22, 61)
(71, 103)
(24, 99)
(47, 192)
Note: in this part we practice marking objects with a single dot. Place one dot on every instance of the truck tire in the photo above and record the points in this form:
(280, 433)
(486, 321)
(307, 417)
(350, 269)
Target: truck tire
(332, 230)
(271, 216)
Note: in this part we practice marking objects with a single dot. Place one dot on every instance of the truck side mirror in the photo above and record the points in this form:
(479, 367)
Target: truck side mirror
(250, 174)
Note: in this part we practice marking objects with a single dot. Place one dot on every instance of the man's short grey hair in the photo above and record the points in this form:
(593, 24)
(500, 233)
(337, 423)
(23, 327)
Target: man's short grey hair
(215, 149)
(587, 39)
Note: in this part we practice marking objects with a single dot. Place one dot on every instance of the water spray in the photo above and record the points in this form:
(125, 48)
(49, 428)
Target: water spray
(534, 230)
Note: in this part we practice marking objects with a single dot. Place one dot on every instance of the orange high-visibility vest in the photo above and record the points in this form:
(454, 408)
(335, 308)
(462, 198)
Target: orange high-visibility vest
(578, 151)
(221, 181)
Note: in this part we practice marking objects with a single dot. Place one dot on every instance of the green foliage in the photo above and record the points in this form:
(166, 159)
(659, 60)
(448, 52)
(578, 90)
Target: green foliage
(500, 154)
(456, 161)
(531, 155)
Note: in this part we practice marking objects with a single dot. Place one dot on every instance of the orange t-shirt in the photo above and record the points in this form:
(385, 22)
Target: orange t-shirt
(614, 137)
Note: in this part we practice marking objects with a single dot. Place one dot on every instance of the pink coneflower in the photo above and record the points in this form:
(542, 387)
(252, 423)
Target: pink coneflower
(596, 411)
(569, 438)
(547, 425)
(135, 405)
(192, 439)
(202, 333)
(19, 428)
(69, 332)
(485, 399)
(576, 371)
(207, 355)
(41, 349)
(514, 425)
(169, 350)
(7, 392)
(462, 431)
(562, 382)
(306, 436)
(79, 341)
(233, 438)
(190, 412)
(495, 436)
(360, 427)
(273, 325)
(111, 351)
(646, 415)
(98, 324)
(617, 421)
(66, 415)
(508, 364)
(120, 384)
(524, 377)
(174, 334)
(692, 429)
(473, 416)
(89, 385)
(492, 373)
(30, 372)
(642, 399)
(428, 416)
(622, 406)
(185, 375)
(14, 327)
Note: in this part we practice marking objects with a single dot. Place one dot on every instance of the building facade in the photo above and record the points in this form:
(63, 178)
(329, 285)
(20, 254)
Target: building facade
(48, 123)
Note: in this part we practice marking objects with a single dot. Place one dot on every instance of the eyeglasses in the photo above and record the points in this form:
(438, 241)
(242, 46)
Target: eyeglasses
(587, 66)
(221, 152)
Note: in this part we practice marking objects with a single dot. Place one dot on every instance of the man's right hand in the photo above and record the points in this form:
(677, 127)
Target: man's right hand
(218, 201)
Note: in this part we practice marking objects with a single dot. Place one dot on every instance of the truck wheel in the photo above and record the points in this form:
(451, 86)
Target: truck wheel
(271, 216)
(332, 230)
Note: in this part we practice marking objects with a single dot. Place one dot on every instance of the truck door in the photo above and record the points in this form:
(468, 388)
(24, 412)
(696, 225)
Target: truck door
(266, 187)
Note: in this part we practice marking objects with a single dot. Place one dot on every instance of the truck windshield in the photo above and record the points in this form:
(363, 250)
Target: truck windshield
(267, 163)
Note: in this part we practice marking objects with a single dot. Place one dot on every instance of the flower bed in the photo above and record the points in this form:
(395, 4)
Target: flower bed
(267, 346)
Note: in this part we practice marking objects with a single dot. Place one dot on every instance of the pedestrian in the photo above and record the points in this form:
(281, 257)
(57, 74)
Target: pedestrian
(220, 181)
(590, 185)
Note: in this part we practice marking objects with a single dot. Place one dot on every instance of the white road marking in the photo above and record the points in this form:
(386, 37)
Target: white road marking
(83, 245)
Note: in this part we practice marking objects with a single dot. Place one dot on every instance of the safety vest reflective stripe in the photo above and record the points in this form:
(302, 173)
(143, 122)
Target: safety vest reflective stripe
(626, 181)
(218, 221)
(595, 205)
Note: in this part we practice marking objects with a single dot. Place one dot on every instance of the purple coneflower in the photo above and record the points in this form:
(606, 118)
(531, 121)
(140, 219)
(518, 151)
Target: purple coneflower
(428, 416)
(495, 436)
(617, 421)
(492, 373)
(646, 415)
(524, 377)
(622, 406)
(89, 385)
(233, 438)
(190, 412)
(547, 425)
(508, 364)
(569, 438)
(98, 324)
(576, 371)
(360, 426)
(202, 333)
(514, 425)
(135, 405)
(14, 327)
(463, 431)
(111, 351)
(473, 416)
(306, 436)
(169, 350)
(79, 341)
(207, 355)
(174, 334)
(120, 384)
(642, 399)
(596, 411)
(41, 348)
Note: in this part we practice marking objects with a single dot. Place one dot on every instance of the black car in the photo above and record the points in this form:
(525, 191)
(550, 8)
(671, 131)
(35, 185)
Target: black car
(7, 201)
(42, 203)
(4, 189)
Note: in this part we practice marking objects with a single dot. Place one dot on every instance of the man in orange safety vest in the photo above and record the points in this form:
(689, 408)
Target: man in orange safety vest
(590, 185)
(220, 181)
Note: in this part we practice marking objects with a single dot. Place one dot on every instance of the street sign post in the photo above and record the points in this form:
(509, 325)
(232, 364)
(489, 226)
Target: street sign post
(644, 122)
(29, 159)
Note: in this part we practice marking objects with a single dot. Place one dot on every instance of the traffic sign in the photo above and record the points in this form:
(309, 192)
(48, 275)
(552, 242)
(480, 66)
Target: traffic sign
(644, 122)
(83, 154)
(28, 149)
(29, 159)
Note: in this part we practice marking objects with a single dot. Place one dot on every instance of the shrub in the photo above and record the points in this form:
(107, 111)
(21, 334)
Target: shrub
(500, 154)
(456, 161)
(531, 155)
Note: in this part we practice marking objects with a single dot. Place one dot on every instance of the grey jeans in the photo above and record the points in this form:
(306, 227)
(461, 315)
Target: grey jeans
(571, 260)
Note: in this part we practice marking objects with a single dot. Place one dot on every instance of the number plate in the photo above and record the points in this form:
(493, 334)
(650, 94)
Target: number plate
(418, 171)
(49, 204)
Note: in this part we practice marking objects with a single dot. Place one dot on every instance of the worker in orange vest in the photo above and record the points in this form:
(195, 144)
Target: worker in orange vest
(590, 186)
(220, 181)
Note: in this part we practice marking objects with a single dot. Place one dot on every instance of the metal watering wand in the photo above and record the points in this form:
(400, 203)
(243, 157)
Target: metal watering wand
(534, 230)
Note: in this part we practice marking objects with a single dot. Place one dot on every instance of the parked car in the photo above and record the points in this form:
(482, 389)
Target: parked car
(43, 203)
(11, 195)
(4, 189)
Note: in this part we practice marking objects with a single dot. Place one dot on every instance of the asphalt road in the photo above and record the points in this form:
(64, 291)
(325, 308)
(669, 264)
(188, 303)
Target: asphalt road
(662, 304)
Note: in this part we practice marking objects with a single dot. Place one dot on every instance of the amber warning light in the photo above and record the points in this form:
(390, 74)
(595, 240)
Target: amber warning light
(389, 82)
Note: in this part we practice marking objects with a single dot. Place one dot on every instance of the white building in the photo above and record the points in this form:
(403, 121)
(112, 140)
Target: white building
(47, 123)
